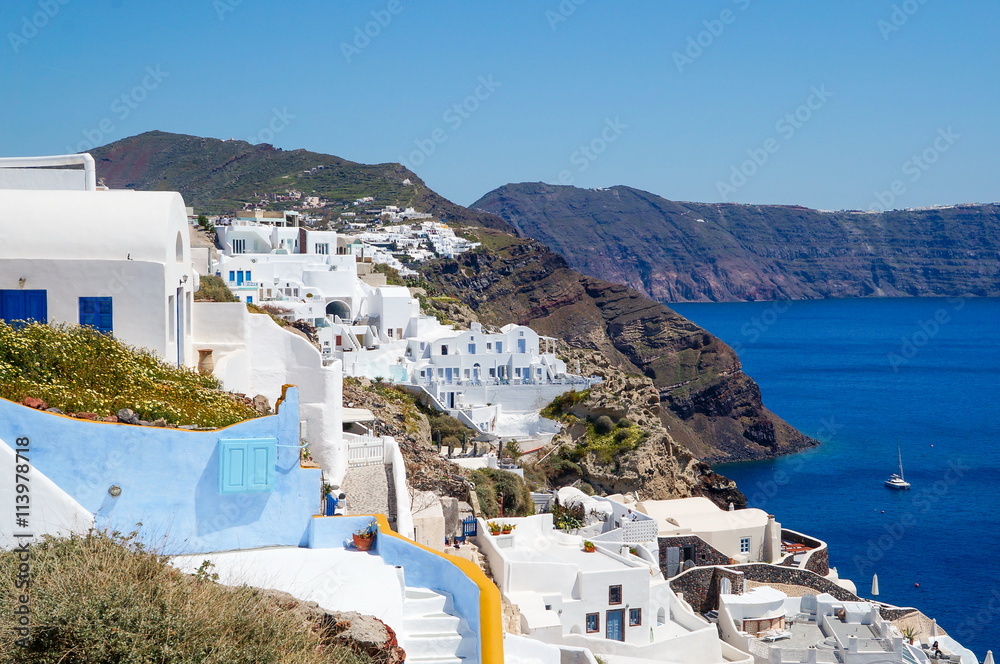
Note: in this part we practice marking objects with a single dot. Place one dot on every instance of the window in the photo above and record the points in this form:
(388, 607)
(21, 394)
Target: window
(493, 372)
(239, 246)
(96, 312)
(593, 623)
(247, 465)
(339, 341)
(489, 346)
(249, 299)
(472, 349)
(517, 372)
(521, 346)
(634, 617)
(744, 545)
(323, 248)
(248, 276)
(499, 346)
(614, 594)
(232, 275)
(444, 350)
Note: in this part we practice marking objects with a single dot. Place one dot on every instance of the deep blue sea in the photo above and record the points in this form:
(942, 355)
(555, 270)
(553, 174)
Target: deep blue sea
(861, 375)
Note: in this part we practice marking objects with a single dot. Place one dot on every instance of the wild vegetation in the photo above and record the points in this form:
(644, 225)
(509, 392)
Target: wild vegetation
(77, 369)
(213, 289)
(496, 487)
(100, 598)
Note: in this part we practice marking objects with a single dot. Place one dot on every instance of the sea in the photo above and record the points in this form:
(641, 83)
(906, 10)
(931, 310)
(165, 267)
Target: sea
(863, 376)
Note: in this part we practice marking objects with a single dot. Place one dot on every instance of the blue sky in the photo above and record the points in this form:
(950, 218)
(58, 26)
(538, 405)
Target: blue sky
(852, 104)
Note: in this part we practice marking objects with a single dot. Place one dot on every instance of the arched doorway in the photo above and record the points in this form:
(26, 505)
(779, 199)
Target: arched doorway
(338, 308)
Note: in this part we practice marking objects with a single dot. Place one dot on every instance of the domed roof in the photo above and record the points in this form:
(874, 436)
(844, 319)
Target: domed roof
(94, 225)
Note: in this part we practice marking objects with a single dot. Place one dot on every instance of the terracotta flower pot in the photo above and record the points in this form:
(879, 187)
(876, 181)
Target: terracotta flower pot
(363, 543)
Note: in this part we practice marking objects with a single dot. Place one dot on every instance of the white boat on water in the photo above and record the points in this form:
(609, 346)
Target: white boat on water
(897, 481)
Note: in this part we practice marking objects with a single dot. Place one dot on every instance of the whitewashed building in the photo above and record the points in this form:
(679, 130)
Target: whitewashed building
(612, 601)
(119, 261)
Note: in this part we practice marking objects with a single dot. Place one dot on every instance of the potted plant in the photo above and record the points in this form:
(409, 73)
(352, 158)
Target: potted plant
(588, 546)
(494, 528)
(365, 537)
(506, 528)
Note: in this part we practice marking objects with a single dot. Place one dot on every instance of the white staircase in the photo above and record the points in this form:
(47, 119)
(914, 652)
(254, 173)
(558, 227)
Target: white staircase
(432, 633)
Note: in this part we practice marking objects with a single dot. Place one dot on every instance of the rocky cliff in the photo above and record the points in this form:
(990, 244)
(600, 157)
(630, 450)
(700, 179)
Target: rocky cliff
(710, 406)
(690, 252)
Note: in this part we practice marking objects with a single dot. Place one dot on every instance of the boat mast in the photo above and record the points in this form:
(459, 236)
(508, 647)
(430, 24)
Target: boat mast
(899, 455)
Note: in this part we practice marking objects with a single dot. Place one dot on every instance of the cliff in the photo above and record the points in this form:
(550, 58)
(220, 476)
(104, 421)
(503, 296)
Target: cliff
(710, 406)
(691, 252)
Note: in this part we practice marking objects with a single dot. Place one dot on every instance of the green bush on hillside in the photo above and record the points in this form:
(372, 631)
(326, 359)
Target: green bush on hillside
(78, 369)
(103, 598)
(213, 289)
(492, 483)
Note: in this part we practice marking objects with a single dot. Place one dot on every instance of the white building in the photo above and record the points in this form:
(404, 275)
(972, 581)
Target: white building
(777, 629)
(119, 261)
(612, 601)
(496, 379)
(495, 382)
(747, 535)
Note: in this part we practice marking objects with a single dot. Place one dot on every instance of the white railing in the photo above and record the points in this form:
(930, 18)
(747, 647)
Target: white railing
(365, 451)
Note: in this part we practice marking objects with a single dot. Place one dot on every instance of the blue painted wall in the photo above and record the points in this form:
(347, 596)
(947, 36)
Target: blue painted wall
(170, 478)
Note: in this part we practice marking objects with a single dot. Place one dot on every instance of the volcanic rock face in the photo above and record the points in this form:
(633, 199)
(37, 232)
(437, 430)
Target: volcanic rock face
(691, 252)
(710, 407)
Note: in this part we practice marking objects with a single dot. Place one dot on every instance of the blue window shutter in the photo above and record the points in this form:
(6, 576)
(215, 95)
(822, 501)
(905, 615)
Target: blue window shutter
(262, 461)
(96, 312)
(247, 465)
(232, 275)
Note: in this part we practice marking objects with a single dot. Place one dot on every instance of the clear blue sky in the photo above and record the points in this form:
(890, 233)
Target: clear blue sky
(895, 79)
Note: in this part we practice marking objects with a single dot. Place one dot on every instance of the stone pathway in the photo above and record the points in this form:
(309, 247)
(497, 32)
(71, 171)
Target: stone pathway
(370, 490)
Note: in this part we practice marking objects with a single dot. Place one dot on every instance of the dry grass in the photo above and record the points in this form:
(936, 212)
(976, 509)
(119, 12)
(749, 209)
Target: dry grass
(98, 598)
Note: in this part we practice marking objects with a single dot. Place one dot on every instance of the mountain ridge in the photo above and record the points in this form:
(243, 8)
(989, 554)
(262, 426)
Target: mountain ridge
(677, 251)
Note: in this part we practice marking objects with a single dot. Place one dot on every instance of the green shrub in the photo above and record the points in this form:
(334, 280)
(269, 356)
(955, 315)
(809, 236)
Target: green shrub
(103, 598)
(603, 425)
(213, 289)
(491, 483)
(562, 403)
(78, 369)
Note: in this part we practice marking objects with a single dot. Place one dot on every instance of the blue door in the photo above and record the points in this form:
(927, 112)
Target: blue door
(615, 626)
(23, 305)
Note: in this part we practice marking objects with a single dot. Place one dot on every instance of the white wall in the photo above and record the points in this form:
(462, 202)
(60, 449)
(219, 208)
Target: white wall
(140, 293)
(254, 355)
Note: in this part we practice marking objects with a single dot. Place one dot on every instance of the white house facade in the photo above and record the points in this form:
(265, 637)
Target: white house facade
(119, 261)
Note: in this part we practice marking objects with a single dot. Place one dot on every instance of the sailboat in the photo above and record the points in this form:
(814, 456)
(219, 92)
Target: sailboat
(897, 481)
